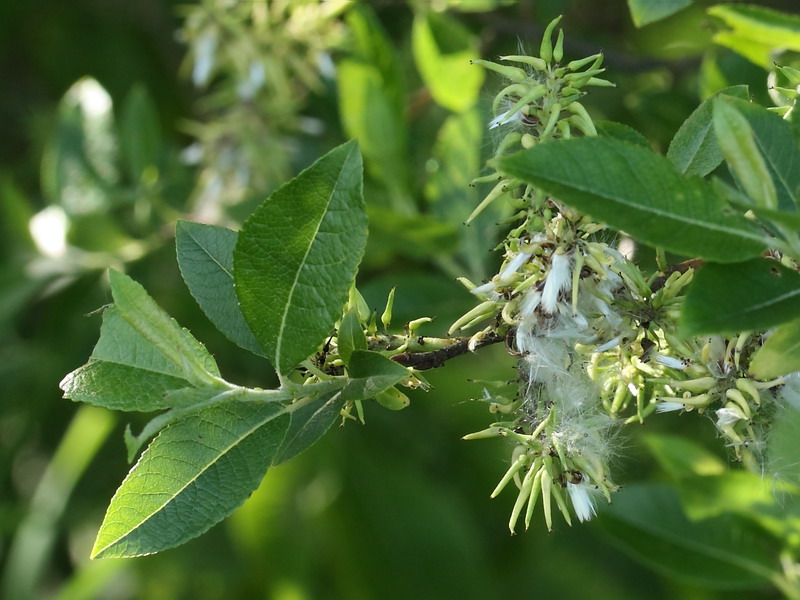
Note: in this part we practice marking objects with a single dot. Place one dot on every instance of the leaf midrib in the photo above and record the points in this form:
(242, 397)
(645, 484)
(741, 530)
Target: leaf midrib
(761, 305)
(657, 212)
(288, 304)
(211, 256)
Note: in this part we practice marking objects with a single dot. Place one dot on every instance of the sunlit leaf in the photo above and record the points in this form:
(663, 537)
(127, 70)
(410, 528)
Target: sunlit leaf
(779, 148)
(172, 341)
(759, 25)
(443, 49)
(296, 257)
(371, 98)
(738, 145)
(143, 357)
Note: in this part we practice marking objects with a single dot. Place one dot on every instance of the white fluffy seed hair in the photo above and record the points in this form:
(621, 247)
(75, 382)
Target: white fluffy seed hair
(559, 279)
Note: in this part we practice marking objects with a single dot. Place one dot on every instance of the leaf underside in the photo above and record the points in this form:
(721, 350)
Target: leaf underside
(193, 475)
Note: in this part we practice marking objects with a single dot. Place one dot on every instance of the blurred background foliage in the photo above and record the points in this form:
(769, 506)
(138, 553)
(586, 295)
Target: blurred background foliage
(119, 117)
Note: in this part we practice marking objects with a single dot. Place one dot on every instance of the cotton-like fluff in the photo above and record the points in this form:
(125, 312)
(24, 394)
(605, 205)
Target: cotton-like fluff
(583, 496)
(559, 279)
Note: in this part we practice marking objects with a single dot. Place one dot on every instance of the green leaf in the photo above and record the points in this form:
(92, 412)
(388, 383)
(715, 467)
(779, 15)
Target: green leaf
(140, 132)
(350, 335)
(780, 354)
(755, 52)
(371, 373)
(174, 343)
(644, 12)
(682, 458)
(371, 98)
(308, 425)
(738, 145)
(778, 147)
(694, 150)
(639, 192)
(120, 387)
(622, 132)
(127, 371)
(182, 402)
(205, 257)
(443, 49)
(756, 25)
(193, 475)
(297, 255)
(724, 552)
(748, 296)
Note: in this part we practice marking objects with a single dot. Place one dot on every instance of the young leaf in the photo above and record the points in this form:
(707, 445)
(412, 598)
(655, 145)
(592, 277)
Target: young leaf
(780, 354)
(694, 150)
(205, 257)
(443, 49)
(193, 475)
(308, 425)
(751, 295)
(639, 192)
(738, 144)
(723, 552)
(174, 343)
(297, 255)
(644, 12)
(371, 373)
(120, 387)
(350, 335)
(128, 372)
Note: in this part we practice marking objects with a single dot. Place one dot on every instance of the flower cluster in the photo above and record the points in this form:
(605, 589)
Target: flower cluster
(595, 338)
